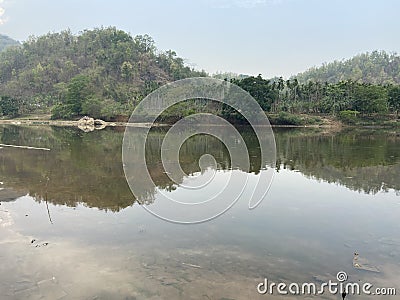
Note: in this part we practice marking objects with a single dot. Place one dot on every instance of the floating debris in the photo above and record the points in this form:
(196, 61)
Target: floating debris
(193, 266)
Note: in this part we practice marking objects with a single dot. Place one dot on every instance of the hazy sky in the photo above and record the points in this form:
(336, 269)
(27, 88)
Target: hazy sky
(272, 37)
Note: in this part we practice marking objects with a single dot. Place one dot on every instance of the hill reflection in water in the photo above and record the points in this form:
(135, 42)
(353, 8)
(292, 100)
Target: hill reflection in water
(86, 167)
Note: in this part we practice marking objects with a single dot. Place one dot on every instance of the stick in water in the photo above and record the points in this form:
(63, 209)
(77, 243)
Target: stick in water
(24, 147)
(190, 265)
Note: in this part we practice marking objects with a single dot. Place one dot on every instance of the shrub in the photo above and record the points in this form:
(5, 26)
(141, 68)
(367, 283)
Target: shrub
(285, 118)
(9, 106)
(62, 112)
(348, 116)
(92, 107)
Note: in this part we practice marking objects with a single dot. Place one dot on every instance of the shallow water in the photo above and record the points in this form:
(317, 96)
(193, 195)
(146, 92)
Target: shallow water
(71, 228)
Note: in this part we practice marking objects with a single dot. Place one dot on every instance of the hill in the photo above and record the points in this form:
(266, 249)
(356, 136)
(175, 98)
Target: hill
(102, 72)
(6, 41)
(377, 67)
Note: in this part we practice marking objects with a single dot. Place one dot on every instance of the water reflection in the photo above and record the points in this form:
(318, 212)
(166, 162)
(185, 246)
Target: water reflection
(362, 160)
(307, 231)
(86, 168)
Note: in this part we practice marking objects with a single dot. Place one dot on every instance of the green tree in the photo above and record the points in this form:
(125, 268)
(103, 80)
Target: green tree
(370, 99)
(92, 107)
(394, 99)
(9, 106)
(78, 91)
(260, 89)
(127, 70)
(145, 43)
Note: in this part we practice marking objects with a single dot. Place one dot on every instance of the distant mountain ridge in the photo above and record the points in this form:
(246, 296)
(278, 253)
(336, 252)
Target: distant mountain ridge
(377, 67)
(6, 41)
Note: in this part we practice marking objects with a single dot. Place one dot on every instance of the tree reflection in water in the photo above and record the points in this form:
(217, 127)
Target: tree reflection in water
(86, 167)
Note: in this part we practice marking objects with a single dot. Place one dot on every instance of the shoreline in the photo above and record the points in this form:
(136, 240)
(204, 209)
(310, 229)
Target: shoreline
(44, 122)
(62, 123)
(47, 122)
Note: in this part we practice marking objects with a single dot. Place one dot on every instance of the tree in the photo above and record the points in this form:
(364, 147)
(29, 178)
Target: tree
(260, 89)
(394, 99)
(370, 99)
(127, 71)
(78, 91)
(145, 43)
(92, 107)
(9, 106)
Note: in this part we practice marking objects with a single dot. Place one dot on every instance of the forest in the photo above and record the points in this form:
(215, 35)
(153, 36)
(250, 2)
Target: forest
(348, 100)
(102, 72)
(377, 67)
(106, 72)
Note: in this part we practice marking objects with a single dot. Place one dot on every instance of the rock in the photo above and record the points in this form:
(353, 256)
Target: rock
(100, 122)
(362, 263)
(86, 121)
(88, 124)
(85, 128)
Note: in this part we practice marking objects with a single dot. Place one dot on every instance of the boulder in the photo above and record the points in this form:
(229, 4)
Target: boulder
(86, 121)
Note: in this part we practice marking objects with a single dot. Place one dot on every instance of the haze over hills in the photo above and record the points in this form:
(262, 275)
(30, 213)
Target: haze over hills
(6, 41)
(377, 67)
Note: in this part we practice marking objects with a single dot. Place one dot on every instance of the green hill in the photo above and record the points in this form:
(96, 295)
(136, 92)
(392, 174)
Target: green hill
(103, 72)
(6, 41)
(377, 67)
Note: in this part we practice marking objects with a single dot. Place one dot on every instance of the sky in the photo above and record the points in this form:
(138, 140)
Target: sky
(268, 37)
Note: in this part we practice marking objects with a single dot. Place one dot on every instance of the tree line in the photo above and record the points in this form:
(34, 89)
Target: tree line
(106, 72)
(315, 97)
(376, 67)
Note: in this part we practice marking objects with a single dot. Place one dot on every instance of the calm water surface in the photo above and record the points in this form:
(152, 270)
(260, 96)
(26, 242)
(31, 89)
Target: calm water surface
(71, 229)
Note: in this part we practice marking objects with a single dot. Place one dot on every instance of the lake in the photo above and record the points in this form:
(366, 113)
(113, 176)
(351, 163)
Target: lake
(71, 228)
